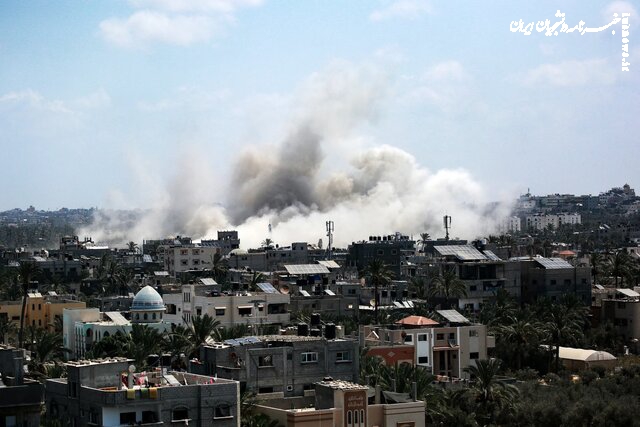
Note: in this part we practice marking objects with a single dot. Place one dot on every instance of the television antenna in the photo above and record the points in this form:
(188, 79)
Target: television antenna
(447, 225)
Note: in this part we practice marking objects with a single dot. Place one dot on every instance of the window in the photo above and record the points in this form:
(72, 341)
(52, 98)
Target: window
(184, 262)
(473, 288)
(39, 306)
(380, 251)
(262, 390)
(93, 416)
(196, 252)
(127, 418)
(187, 317)
(198, 311)
(222, 411)
(196, 262)
(145, 316)
(552, 281)
(473, 333)
(452, 336)
(219, 311)
(153, 316)
(567, 281)
(33, 307)
(474, 355)
(180, 413)
(422, 337)
(171, 309)
(423, 359)
(184, 252)
(264, 361)
(311, 357)
(244, 310)
(439, 336)
(149, 417)
(408, 338)
(343, 356)
(186, 297)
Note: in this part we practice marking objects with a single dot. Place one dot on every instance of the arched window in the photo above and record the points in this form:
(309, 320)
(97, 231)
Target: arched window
(89, 333)
(145, 316)
(106, 334)
(153, 316)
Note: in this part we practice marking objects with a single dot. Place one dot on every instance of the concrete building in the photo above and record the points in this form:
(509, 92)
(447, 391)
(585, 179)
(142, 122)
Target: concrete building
(251, 308)
(84, 327)
(281, 365)
(20, 398)
(41, 310)
(183, 258)
(552, 278)
(345, 404)
(541, 221)
(109, 393)
(226, 241)
(622, 308)
(392, 250)
(482, 272)
(446, 346)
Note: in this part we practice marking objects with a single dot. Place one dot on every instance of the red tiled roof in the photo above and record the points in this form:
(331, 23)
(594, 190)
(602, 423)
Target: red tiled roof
(417, 321)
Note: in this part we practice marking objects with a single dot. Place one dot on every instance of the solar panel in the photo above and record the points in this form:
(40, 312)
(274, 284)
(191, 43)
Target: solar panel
(329, 263)
(406, 304)
(600, 287)
(453, 316)
(208, 281)
(146, 258)
(462, 252)
(553, 263)
(305, 269)
(492, 256)
(398, 304)
(268, 288)
(304, 293)
(329, 292)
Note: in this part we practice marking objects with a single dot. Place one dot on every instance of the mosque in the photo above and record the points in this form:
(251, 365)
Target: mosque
(84, 327)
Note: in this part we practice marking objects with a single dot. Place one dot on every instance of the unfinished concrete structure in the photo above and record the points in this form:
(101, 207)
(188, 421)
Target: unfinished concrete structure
(20, 398)
(110, 393)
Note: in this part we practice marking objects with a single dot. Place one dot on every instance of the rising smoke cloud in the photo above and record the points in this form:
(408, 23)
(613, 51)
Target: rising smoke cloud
(295, 185)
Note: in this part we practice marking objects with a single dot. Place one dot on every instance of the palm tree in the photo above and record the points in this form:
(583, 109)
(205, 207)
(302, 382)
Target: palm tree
(521, 334)
(596, 265)
(448, 285)
(122, 279)
(219, 268)
(132, 247)
(201, 329)
(491, 396)
(47, 346)
(377, 273)
(562, 326)
(27, 271)
(424, 238)
(176, 342)
(619, 264)
(418, 284)
(267, 243)
(142, 342)
(256, 277)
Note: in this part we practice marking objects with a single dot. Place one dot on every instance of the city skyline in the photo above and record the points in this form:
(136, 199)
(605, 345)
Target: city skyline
(217, 104)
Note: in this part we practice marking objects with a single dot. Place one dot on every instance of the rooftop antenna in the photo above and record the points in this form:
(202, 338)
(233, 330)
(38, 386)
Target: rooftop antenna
(447, 225)
(330, 235)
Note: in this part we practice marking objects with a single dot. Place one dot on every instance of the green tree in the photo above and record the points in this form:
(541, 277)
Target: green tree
(493, 398)
(176, 342)
(562, 326)
(449, 286)
(142, 342)
(219, 268)
(619, 266)
(7, 329)
(520, 334)
(424, 238)
(201, 328)
(377, 274)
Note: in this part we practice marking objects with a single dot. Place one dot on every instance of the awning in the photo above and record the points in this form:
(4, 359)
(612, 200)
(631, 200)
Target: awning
(245, 306)
(220, 308)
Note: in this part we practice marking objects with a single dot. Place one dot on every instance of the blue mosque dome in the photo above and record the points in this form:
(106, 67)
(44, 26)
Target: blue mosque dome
(147, 299)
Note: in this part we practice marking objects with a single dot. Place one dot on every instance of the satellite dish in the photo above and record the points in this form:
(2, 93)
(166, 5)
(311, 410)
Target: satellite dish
(372, 303)
(132, 368)
(284, 289)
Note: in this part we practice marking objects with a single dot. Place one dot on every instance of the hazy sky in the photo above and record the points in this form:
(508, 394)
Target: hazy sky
(104, 103)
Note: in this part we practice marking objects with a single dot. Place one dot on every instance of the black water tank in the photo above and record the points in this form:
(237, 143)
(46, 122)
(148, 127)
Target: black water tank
(315, 319)
(330, 331)
(303, 330)
(315, 332)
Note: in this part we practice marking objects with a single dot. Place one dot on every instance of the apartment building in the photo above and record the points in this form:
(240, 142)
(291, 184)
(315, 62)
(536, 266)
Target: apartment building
(446, 346)
(20, 398)
(345, 404)
(622, 309)
(111, 393)
(391, 249)
(552, 278)
(232, 308)
(41, 310)
(282, 365)
(541, 221)
(182, 258)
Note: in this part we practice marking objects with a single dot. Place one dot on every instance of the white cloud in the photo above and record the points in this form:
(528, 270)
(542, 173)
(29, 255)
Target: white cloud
(174, 22)
(36, 101)
(218, 6)
(406, 9)
(147, 26)
(447, 86)
(573, 73)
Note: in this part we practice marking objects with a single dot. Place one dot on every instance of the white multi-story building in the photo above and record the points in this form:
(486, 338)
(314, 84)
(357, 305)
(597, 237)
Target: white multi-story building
(541, 222)
(181, 258)
(511, 224)
(250, 308)
(445, 347)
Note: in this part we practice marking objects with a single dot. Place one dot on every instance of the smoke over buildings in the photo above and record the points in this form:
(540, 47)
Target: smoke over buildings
(321, 170)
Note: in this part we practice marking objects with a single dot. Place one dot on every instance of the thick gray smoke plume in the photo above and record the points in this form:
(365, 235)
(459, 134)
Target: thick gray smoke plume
(321, 170)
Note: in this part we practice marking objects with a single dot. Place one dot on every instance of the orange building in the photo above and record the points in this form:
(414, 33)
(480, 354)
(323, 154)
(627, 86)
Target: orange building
(41, 310)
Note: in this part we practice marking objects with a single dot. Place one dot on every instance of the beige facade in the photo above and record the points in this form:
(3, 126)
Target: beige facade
(40, 311)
